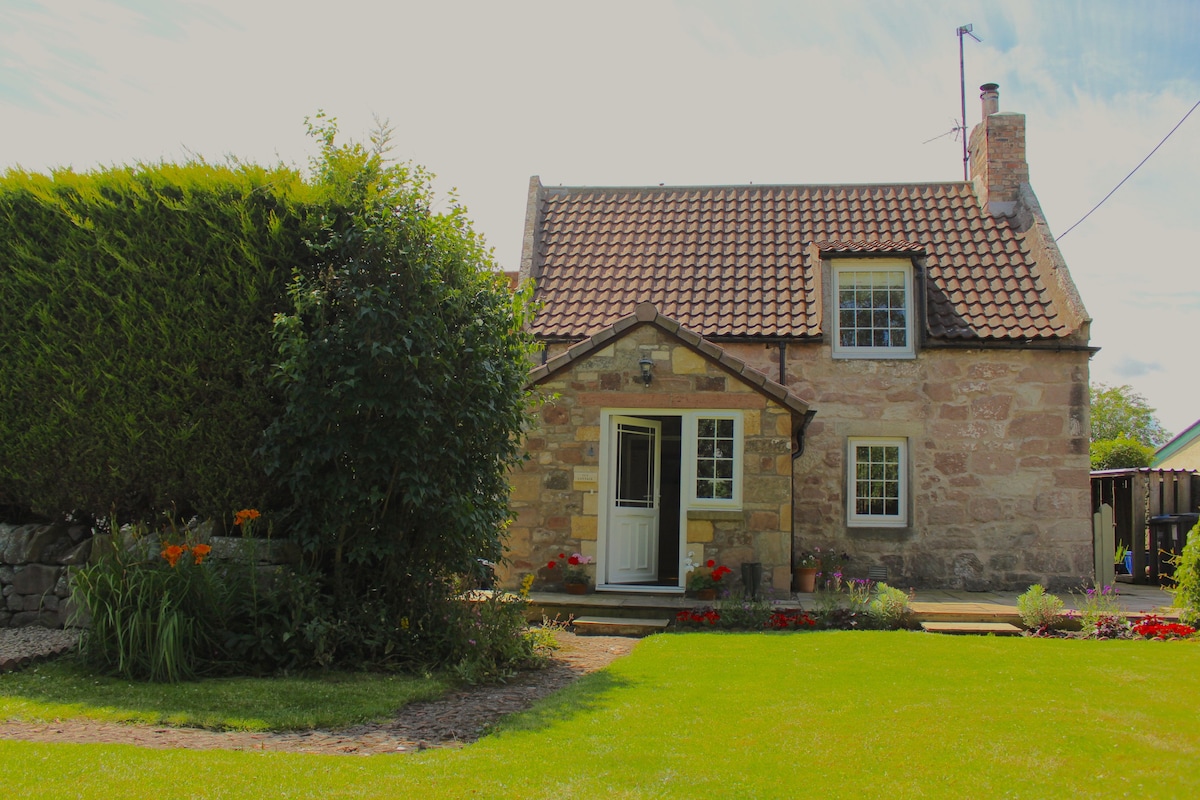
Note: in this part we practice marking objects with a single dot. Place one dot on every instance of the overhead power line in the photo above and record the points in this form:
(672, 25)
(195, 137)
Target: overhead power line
(1130, 175)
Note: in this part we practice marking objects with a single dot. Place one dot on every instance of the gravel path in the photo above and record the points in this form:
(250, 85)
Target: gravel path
(20, 647)
(457, 719)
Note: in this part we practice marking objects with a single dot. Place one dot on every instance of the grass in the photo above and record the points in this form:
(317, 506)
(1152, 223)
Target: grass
(854, 714)
(61, 689)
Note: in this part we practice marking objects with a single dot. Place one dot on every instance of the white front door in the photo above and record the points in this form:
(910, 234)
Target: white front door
(632, 540)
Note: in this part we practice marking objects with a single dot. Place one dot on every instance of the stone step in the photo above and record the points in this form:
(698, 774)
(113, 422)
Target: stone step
(988, 628)
(618, 626)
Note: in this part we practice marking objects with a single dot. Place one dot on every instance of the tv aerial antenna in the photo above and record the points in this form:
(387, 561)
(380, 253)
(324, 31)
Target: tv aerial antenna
(959, 126)
(964, 30)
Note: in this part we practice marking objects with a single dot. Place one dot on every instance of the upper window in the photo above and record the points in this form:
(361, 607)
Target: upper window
(878, 478)
(874, 309)
(717, 464)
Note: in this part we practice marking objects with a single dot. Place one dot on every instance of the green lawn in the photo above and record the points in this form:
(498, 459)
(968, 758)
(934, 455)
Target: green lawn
(61, 689)
(855, 714)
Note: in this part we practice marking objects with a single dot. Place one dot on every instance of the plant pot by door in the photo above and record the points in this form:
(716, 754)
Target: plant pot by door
(576, 588)
(706, 594)
(806, 579)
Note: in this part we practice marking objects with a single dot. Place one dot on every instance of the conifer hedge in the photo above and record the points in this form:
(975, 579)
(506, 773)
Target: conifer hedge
(136, 306)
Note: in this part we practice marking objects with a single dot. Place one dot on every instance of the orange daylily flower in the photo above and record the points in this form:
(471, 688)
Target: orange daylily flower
(246, 515)
(199, 552)
(172, 553)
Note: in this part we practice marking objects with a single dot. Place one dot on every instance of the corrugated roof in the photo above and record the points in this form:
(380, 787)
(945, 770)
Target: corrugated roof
(743, 261)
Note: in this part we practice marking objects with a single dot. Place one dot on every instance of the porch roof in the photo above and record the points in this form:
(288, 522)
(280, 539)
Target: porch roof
(648, 314)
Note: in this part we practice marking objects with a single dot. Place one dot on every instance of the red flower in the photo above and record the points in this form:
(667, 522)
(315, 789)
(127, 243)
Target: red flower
(573, 561)
(562, 555)
(550, 565)
(710, 563)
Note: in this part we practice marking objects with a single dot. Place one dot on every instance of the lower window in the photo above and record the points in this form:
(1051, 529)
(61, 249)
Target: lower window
(878, 478)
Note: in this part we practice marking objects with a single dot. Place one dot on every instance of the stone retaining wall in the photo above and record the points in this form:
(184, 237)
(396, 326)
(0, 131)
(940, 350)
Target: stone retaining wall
(35, 561)
(33, 572)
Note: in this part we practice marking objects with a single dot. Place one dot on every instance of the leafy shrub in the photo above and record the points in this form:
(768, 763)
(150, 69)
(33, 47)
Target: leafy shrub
(889, 607)
(1187, 578)
(497, 640)
(1040, 612)
(748, 615)
(135, 334)
(1153, 627)
(153, 612)
(843, 604)
(1100, 614)
(401, 370)
(1122, 453)
(159, 607)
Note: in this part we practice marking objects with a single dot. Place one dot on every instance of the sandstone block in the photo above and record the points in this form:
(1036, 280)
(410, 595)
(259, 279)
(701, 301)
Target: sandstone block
(78, 554)
(764, 521)
(526, 486)
(36, 579)
(686, 362)
(700, 530)
(584, 527)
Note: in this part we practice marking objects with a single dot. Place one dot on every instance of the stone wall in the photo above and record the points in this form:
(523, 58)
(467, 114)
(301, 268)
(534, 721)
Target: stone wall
(35, 562)
(33, 572)
(555, 495)
(998, 457)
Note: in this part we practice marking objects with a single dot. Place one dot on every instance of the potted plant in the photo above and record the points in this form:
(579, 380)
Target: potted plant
(1124, 558)
(805, 571)
(703, 581)
(574, 572)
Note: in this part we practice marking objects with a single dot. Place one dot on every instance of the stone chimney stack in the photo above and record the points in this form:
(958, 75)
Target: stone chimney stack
(997, 154)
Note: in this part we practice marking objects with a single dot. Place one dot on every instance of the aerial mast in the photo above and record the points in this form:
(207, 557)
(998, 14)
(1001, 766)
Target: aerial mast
(964, 30)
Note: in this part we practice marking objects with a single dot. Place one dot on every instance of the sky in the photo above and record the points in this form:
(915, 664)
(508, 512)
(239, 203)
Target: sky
(486, 94)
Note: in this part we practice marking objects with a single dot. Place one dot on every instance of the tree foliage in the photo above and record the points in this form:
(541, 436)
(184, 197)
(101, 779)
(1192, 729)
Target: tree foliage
(1120, 412)
(401, 367)
(1122, 453)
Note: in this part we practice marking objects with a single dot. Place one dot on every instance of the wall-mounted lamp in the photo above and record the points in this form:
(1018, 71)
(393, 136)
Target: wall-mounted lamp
(646, 364)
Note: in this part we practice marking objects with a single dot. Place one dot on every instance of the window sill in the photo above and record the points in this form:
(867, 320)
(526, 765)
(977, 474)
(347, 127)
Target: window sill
(716, 514)
(877, 355)
(896, 533)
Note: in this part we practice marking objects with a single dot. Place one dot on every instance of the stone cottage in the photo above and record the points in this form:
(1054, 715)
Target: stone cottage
(897, 372)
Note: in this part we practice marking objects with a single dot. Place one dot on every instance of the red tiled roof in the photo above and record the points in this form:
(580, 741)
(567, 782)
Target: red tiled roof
(744, 261)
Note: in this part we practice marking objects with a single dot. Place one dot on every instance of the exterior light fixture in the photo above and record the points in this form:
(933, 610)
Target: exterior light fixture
(646, 364)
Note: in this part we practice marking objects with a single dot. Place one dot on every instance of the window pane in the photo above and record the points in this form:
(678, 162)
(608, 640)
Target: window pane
(877, 488)
(715, 458)
(873, 308)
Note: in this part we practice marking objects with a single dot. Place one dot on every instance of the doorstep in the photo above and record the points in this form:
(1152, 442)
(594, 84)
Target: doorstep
(618, 626)
(977, 628)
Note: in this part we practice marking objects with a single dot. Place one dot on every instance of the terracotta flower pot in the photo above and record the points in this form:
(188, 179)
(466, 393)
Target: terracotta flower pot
(706, 594)
(806, 579)
(576, 588)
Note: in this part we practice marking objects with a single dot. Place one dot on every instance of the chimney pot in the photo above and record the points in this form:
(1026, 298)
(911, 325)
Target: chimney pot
(990, 95)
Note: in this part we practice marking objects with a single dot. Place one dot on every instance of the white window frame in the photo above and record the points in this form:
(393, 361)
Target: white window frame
(853, 518)
(689, 459)
(843, 266)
